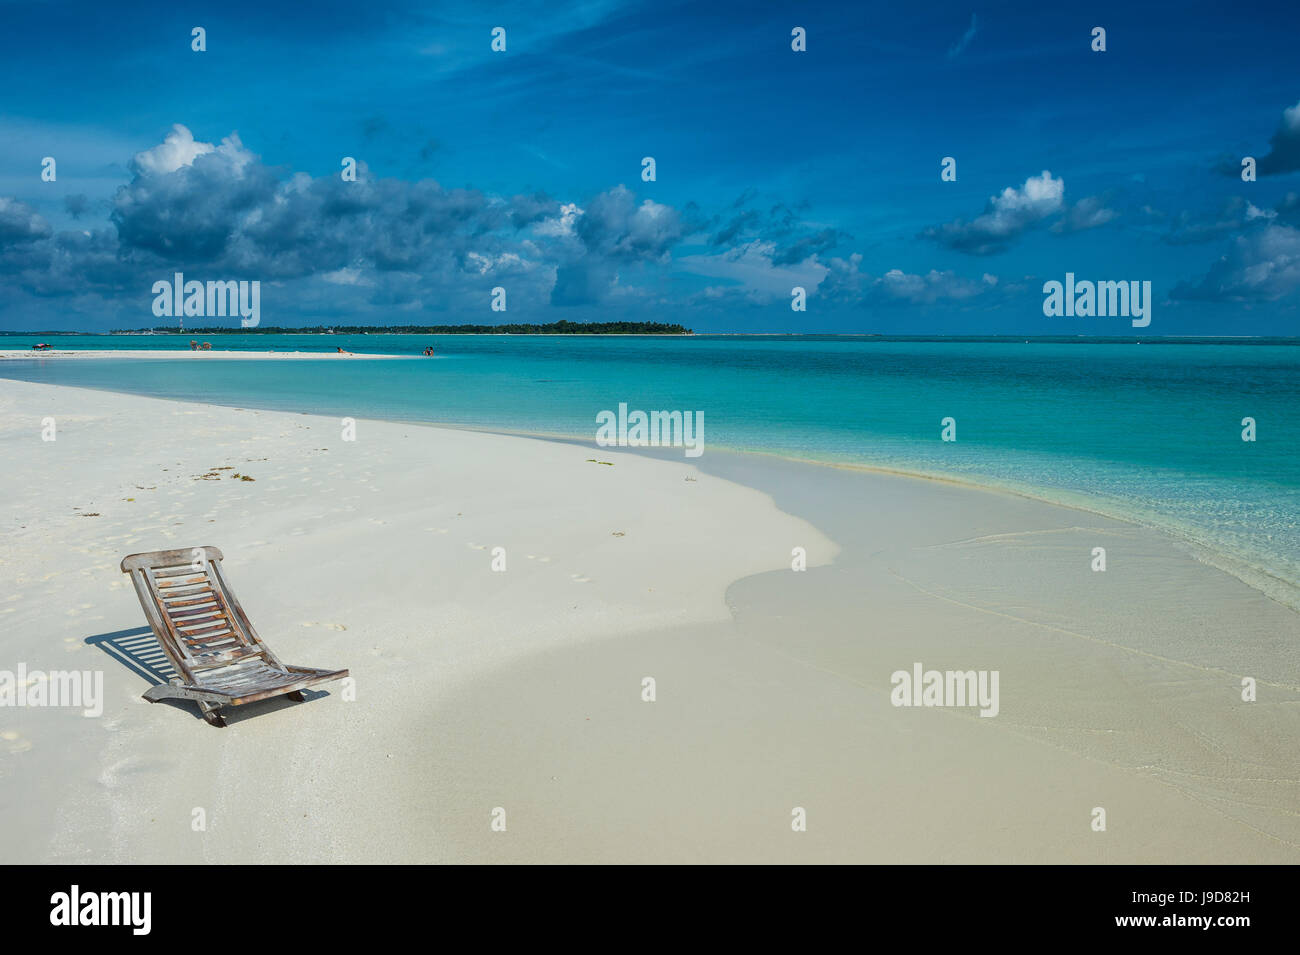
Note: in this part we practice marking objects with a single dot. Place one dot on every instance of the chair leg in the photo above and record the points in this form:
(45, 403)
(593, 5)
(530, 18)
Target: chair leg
(211, 715)
(158, 692)
(297, 696)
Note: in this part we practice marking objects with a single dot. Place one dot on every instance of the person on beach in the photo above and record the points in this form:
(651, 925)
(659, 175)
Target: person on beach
(428, 352)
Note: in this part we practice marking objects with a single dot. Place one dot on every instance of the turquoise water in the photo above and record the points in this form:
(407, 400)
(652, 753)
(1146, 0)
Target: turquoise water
(1149, 432)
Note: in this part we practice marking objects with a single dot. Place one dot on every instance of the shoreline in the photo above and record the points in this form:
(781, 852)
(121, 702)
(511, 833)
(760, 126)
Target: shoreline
(1262, 577)
(523, 689)
(794, 637)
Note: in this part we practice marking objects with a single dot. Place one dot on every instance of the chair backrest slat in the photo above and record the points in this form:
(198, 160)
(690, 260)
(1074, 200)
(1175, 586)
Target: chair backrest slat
(191, 610)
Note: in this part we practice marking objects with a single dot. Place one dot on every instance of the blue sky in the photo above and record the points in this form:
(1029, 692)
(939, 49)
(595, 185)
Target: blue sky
(775, 168)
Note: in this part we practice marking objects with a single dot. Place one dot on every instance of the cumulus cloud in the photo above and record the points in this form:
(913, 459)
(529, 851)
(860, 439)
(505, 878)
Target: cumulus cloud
(20, 223)
(1232, 216)
(195, 206)
(846, 282)
(933, 286)
(191, 200)
(754, 268)
(615, 225)
(1006, 217)
(346, 277)
(560, 225)
(215, 210)
(46, 263)
(613, 230)
(1262, 266)
(1189, 228)
(823, 240)
(1087, 213)
(180, 148)
(525, 210)
(840, 281)
(583, 283)
(782, 228)
(1284, 152)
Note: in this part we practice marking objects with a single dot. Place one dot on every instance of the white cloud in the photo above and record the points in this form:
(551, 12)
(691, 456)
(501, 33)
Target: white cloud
(931, 287)
(179, 148)
(346, 277)
(1040, 195)
(751, 266)
(561, 225)
(1291, 118)
(1261, 267)
(1006, 216)
(505, 262)
(847, 283)
(1085, 214)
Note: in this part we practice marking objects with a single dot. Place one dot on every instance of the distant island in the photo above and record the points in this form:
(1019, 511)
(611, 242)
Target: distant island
(553, 328)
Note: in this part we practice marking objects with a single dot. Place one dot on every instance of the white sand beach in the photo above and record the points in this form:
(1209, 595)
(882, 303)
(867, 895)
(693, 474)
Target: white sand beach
(521, 690)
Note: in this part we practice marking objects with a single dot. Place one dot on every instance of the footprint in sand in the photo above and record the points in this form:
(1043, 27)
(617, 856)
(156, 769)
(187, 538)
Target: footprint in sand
(14, 742)
(476, 546)
(540, 560)
(437, 530)
(327, 626)
(580, 578)
(132, 766)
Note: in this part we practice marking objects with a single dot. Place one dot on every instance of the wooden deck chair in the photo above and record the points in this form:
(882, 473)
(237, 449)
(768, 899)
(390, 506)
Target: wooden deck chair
(201, 627)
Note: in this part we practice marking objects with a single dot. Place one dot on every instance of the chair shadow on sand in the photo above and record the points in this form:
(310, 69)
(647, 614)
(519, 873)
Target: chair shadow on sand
(137, 649)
